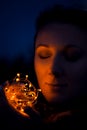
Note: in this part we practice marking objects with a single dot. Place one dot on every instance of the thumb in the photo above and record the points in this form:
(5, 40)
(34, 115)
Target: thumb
(34, 114)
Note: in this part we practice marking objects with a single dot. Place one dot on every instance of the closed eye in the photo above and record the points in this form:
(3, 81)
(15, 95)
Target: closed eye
(72, 54)
(43, 52)
(44, 55)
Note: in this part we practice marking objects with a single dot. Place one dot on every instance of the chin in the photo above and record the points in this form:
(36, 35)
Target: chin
(56, 100)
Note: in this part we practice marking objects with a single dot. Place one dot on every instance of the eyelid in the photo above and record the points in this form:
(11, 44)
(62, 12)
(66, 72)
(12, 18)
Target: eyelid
(72, 48)
(41, 48)
(43, 52)
(73, 55)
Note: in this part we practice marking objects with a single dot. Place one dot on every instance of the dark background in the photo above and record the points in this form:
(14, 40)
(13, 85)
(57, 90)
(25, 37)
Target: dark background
(17, 29)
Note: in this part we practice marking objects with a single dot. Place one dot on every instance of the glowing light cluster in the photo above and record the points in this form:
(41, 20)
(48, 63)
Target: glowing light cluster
(21, 93)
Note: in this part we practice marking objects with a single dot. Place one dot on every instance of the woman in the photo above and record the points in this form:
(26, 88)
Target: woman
(60, 64)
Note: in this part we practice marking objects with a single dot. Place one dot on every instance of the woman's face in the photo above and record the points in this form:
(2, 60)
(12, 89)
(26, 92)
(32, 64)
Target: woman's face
(61, 62)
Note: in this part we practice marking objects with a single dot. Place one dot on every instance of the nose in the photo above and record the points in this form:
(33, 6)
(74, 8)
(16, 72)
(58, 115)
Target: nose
(56, 66)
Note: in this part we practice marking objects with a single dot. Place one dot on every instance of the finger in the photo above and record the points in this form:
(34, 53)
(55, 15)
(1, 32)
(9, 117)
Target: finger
(30, 110)
(34, 115)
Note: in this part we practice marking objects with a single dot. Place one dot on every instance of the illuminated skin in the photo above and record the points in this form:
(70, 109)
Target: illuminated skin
(61, 62)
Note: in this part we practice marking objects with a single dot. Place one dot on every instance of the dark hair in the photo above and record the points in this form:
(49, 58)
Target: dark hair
(61, 14)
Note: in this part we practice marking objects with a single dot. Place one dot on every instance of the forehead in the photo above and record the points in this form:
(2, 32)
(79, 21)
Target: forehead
(61, 34)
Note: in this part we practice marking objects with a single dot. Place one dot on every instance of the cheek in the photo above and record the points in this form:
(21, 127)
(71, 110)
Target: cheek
(39, 70)
(77, 70)
(77, 77)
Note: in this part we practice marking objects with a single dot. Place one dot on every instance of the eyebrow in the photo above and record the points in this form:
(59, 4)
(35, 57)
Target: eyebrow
(72, 46)
(67, 46)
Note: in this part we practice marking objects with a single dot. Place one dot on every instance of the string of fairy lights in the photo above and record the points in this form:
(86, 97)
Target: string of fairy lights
(21, 93)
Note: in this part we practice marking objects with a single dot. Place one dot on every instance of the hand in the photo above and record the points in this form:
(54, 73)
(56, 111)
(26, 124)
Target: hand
(34, 115)
(13, 118)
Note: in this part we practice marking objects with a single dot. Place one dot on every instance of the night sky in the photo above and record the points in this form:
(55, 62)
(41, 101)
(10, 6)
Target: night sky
(17, 24)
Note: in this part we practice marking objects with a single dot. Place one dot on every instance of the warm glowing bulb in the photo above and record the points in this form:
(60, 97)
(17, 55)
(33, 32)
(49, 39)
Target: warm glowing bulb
(17, 79)
(26, 76)
(30, 85)
(39, 90)
(22, 110)
(18, 74)
(12, 97)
